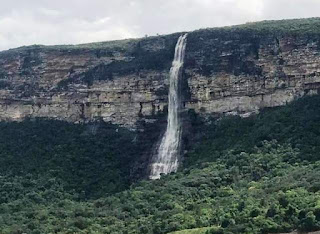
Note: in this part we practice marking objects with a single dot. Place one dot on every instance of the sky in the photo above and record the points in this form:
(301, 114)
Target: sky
(52, 22)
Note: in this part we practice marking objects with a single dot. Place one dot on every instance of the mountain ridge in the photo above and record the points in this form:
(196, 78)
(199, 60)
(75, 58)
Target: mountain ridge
(78, 127)
(252, 25)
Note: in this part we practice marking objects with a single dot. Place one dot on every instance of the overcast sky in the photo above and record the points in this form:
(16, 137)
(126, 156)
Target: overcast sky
(49, 22)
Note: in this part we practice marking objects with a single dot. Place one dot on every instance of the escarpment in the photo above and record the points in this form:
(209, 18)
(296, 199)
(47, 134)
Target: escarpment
(233, 70)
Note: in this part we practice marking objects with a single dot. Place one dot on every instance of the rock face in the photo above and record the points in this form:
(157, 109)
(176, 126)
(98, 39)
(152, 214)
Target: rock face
(227, 71)
(242, 74)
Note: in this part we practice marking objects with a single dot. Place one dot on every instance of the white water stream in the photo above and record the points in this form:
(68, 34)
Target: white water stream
(166, 160)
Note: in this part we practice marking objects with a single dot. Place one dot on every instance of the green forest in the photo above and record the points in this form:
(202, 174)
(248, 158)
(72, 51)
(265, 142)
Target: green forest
(259, 174)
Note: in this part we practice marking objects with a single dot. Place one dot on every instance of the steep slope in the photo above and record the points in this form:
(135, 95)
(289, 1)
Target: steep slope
(89, 160)
(260, 183)
(71, 172)
(236, 69)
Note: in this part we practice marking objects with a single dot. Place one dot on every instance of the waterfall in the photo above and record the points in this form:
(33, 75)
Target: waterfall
(166, 159)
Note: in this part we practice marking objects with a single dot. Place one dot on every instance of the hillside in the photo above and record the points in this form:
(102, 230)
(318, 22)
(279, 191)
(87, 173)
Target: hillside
(264, 178)
(80, 123)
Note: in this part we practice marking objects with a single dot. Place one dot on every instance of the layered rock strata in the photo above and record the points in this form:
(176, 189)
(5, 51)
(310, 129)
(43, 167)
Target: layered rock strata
(227, 71)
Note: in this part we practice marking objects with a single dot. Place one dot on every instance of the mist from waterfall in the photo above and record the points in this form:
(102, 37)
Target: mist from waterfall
(166, 159)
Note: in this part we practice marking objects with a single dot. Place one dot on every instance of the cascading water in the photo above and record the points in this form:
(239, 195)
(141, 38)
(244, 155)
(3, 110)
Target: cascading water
(166, 160)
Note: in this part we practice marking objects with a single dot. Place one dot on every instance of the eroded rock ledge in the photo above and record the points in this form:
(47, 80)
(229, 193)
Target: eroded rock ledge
(227, 70)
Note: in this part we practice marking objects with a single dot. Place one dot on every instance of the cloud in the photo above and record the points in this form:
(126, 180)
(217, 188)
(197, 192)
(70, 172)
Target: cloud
(81, 21)
(291, 9)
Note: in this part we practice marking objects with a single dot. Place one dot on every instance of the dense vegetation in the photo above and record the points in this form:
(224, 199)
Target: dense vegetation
(90, 159)
(297, 124)
(255, 175)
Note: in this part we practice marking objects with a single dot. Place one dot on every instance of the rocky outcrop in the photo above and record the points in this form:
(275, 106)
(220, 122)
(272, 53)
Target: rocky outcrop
(227, 71)
(244, 73)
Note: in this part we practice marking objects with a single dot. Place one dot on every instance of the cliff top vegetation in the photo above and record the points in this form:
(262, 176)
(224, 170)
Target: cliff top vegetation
(280, 27)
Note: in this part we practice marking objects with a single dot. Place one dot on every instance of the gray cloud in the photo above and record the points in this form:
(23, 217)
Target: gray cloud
(80, 21)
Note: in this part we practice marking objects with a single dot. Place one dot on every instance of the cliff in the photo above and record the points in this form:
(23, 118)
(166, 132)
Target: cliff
(231, 70)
